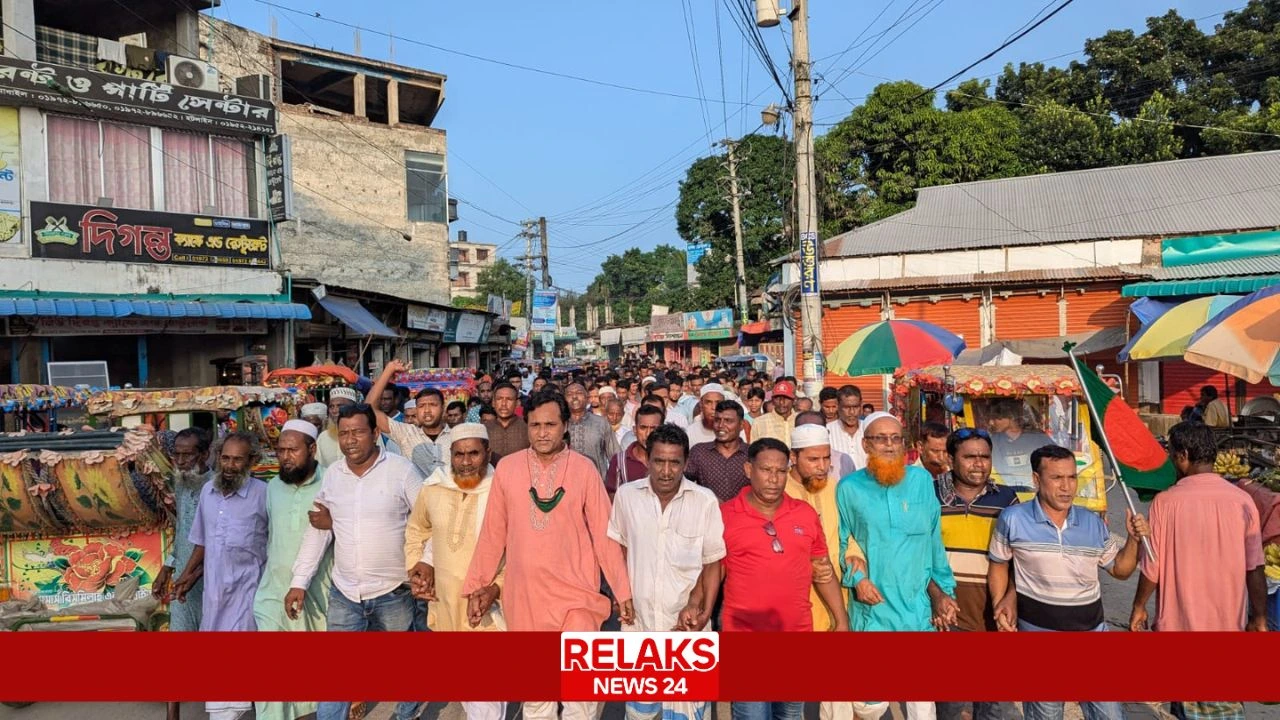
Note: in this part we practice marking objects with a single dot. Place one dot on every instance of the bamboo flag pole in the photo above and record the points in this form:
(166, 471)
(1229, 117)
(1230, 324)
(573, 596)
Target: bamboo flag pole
(1069, 348)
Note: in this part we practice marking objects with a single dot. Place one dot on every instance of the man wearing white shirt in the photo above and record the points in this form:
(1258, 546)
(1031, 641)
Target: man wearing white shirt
(846, 431)
(672, 531)
(366, 500)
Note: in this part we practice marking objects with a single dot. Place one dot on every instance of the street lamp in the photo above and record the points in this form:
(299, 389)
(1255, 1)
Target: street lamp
(767, 13)
(770, 115)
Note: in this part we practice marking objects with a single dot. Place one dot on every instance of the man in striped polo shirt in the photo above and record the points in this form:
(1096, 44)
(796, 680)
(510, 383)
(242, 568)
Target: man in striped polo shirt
(1057, 549)
(971, 502)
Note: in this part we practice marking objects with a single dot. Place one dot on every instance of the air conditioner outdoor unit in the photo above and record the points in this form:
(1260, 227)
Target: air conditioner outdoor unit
(191, 73)
(255, 86)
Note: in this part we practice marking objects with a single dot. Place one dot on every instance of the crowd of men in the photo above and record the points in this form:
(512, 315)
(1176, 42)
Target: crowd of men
(667, 500)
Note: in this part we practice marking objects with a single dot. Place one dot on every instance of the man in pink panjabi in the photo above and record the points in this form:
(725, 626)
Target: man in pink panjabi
(1206, 536)
(549, 545)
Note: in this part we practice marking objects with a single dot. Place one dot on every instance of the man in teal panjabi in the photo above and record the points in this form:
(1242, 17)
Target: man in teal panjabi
(892, 514)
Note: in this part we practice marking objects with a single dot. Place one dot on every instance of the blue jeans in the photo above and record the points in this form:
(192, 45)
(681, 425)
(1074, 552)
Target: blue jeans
(1053, 710)
(767, 710)
(395, 611)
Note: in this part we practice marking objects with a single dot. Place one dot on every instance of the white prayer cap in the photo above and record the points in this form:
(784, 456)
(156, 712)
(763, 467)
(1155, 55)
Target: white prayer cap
(711, 388)
(315, 410)
(873, 417)
(809, 436)
(345, 393)
(301, 426)
(410, 404)
(608, 390)
(648, 379)
(468, 431)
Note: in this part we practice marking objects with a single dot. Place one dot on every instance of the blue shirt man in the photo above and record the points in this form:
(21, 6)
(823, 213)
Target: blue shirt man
(892, 514)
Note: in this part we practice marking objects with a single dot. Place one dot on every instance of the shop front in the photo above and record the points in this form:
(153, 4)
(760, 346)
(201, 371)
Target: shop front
(464, 336)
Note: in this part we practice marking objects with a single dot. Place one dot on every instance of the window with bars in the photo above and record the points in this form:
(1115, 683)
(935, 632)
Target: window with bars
(428, 197)
(91, 159)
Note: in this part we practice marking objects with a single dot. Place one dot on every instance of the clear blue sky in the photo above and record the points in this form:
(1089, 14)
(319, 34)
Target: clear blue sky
(598, 161)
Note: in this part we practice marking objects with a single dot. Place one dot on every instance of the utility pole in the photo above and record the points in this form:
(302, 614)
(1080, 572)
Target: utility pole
(546, 266)
(734, 200)
(806, 201)
(527, 259)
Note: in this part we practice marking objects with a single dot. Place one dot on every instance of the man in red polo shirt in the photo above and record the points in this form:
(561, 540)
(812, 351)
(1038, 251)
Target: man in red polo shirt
(776, 551)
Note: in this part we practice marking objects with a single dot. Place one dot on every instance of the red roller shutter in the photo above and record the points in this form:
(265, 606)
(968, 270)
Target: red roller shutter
(960, 316)
(1022, 317)
(1180, 384)
(1099, 307)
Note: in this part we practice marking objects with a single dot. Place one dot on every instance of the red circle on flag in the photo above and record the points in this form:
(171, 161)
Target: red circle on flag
(1130, 439)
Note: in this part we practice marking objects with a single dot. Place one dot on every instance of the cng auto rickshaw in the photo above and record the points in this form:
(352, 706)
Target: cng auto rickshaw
(1023, 407)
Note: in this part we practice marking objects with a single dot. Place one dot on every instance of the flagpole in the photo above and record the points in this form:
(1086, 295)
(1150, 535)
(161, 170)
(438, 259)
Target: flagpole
(1106, 442)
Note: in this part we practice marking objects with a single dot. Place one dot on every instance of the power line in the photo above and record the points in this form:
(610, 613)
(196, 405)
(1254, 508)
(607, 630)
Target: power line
(1002, 46)
(516, 66)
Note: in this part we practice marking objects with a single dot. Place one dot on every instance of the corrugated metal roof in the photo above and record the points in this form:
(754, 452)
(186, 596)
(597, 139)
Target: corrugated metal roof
(1262, 265)
(981, 279)
(1237, 285)
(1181, 197)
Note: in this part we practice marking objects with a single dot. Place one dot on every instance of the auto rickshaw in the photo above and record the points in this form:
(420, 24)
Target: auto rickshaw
(1023, 407)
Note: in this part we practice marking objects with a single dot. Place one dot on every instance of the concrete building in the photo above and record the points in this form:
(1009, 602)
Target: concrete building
(470, 259)
(1028, 261)
(133, 215)
(369, 226)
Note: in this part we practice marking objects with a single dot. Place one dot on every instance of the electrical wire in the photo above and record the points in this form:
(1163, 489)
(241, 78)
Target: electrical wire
(472, 56)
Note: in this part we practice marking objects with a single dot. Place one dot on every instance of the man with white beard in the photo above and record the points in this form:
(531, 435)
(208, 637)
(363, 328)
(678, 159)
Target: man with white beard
(191, 472)
(440, 539)
(892, 513)
(230, 538)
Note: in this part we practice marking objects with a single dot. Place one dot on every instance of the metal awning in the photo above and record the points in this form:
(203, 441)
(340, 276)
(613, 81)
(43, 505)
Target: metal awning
(1202, 286)
(113, 308)
(355, 316)
(1003, 352)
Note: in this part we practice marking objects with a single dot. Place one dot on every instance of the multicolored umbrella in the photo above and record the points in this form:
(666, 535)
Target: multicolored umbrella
(1243, 340)
(889, 345)
(1167, 335)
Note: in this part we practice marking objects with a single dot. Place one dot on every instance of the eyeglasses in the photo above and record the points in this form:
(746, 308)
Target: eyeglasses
(966, 433)
(772, 532)
(885, 439)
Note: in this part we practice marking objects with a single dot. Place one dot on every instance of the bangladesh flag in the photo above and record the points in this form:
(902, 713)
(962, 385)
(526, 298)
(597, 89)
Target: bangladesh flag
(1144, 463)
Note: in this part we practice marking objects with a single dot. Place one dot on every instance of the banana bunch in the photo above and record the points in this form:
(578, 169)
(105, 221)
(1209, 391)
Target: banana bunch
(1231, 463)
(1273, 562)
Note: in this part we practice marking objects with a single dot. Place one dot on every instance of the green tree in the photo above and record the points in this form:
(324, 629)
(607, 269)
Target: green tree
(1057, 138)
(502, 279)
(704, 214)
(630, 283)
(1146, 138)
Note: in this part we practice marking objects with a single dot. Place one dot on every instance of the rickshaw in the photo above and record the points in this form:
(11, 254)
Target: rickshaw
(262, 411)
(1022, 406)
(740, 364)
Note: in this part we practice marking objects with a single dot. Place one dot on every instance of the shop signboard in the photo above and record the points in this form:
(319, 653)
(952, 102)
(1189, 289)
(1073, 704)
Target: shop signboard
(83, 232)
(709, 324)
(546, 311)
(279, 161)
(633, 336)
(667, 328)
(465, 328)
(420, 317)
(66, 326)
(809, 263)
(61, 88)
(10, 180)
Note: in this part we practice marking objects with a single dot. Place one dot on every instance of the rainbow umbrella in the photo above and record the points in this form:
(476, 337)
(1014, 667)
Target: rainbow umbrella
(1168, 334)
(889, 345)
(1243, 340)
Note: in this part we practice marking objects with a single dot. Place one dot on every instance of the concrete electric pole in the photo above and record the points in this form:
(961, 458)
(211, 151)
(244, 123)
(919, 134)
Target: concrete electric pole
(806, 189)
(735, 202)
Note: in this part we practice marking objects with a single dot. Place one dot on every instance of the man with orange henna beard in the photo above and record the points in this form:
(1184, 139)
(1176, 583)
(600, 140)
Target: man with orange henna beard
(892, 513)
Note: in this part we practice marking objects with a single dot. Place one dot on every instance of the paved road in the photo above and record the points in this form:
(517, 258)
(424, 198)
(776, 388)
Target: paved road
(1117, 598)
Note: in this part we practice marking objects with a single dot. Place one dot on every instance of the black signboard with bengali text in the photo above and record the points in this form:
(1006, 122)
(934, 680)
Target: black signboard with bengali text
(115, 97)
(84, 232)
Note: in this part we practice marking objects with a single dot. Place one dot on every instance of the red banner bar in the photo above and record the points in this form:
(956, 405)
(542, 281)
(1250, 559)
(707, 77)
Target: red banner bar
(1117, 666)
